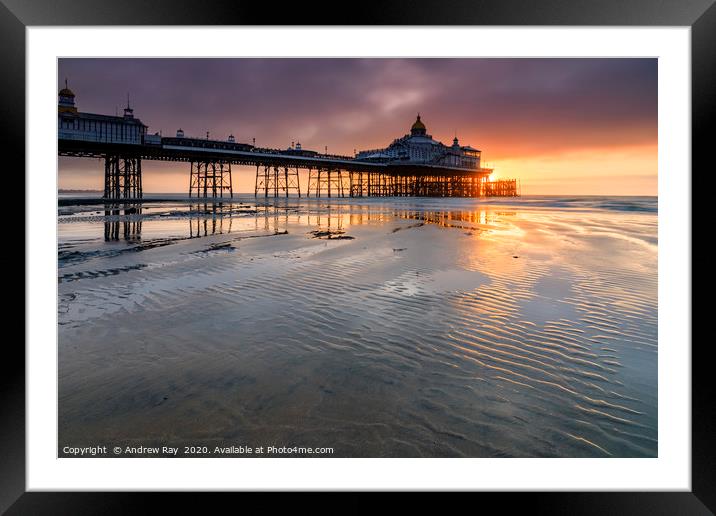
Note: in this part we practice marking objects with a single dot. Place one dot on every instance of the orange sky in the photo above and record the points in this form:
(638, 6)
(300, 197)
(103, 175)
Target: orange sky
(560, 126)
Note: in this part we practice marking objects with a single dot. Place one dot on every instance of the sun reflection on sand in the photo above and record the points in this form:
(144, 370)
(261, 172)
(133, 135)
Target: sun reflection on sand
(484, 331)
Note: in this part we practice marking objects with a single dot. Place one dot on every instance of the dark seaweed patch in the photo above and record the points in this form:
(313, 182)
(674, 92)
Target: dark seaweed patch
(74, 276)
(331, 234)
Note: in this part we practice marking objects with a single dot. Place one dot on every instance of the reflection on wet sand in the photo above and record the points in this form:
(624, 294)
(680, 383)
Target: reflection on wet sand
(381, 331)
(209, 219)
(126, 215)
(455, 219)
(124, 221)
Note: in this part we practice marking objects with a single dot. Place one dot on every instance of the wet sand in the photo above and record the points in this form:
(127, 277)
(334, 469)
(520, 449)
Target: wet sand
(436, 328)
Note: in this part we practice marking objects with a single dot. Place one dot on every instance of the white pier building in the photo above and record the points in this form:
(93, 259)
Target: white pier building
(418, 147)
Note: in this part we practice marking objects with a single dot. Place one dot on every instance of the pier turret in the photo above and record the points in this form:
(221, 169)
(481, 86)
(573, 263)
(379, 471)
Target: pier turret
(128, 111)
(418, 128)
(66, 103)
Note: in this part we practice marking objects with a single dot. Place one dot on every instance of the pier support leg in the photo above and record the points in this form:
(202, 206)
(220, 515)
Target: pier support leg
(292, 182)
(122, 177)
(210, 179)
(267, 177)
(277, 180)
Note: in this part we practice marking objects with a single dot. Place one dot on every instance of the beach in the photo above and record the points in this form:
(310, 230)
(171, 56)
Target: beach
(420, 327)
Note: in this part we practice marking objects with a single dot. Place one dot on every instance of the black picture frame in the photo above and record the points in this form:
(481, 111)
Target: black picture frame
(16, 15)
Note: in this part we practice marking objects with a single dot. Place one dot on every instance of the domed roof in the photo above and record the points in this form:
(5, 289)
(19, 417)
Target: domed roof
(418, 125)
(66, 92)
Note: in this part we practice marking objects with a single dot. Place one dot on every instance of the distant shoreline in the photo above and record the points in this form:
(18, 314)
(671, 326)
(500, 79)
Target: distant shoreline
(646, 204)
(153, 195)
(66, 191)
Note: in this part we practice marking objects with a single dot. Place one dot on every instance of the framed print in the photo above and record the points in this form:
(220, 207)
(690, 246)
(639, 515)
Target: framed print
(424, 251)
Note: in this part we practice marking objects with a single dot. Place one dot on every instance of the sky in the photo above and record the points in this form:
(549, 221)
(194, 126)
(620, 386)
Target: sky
(560, 126)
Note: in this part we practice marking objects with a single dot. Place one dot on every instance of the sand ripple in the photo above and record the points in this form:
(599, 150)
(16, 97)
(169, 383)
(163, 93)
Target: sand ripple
(460, 343)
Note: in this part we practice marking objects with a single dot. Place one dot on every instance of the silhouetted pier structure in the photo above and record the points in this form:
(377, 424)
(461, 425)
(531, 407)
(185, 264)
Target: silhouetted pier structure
(123, 143)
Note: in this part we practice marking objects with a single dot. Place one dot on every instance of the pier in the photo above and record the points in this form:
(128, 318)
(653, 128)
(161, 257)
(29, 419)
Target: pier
(400, 170)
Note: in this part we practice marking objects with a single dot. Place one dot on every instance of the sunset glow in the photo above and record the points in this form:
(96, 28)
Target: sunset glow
(560, 126)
